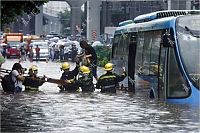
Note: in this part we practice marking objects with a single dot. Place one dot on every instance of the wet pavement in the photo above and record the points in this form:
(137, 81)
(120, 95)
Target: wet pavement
(52, 111)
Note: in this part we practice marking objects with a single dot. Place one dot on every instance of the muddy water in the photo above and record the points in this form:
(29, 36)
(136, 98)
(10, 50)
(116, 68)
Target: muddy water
(51, 111)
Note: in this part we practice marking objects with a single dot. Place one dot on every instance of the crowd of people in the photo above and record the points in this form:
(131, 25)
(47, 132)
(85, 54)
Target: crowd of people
(71, 81)
(63, 53)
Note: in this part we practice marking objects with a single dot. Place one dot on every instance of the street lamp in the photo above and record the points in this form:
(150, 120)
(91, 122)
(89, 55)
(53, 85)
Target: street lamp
(55, 29)
(50, 26)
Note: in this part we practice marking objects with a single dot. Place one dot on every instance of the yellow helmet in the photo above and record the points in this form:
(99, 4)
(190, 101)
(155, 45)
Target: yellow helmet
(65, 65)
(33, 68)
(84, 69)
(108, 67)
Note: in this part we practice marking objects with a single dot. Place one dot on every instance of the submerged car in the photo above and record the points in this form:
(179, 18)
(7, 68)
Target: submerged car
(44, 50)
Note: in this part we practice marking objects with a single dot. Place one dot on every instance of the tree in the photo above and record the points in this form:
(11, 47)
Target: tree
(11, 9)
(65, 21)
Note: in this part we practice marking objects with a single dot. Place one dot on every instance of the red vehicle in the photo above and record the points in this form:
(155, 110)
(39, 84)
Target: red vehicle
(13, 41)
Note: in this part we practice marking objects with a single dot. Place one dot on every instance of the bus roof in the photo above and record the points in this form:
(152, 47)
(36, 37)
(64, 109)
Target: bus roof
(163, 14)
(146, 26)
(141, 23)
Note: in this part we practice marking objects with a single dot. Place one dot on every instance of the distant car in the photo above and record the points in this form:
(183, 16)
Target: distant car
(13, 49)
(44, 50)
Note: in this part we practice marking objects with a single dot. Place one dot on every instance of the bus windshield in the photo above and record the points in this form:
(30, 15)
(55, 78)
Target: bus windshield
(188, 36)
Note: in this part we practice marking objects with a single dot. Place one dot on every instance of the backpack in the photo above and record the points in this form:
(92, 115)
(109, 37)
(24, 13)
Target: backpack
(7, 83)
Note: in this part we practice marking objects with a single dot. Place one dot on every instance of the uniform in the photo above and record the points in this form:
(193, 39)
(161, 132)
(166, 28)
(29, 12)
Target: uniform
(109, 81)
(85, 82)
(33, 83)
(70, 76)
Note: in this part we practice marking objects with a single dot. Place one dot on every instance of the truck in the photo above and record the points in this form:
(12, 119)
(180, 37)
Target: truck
(13, 41)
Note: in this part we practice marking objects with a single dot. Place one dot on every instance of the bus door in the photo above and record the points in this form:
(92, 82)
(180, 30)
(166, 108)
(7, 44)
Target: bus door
(131, 62)
(158, 67)
(117, 54)
(150, 63)
(162, 73)
(120, 56)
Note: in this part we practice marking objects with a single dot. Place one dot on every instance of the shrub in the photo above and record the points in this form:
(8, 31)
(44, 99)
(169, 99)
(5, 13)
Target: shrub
(103, 54)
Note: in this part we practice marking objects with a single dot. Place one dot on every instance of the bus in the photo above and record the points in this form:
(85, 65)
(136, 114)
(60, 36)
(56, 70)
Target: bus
(161, 52)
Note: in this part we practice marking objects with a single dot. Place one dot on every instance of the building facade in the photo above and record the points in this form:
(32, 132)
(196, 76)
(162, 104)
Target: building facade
(111, 13)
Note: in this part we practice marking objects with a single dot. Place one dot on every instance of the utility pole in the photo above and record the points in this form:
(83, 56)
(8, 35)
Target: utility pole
(169, 2)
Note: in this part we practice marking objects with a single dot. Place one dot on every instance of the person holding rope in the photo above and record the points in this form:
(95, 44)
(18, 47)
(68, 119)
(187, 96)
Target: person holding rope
(32, 81)
(85, 79)
(89, 56)
(69, 77)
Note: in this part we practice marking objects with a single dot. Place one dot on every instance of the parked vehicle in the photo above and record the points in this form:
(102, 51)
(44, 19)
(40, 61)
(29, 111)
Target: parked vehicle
(13, 49)
(13, 41)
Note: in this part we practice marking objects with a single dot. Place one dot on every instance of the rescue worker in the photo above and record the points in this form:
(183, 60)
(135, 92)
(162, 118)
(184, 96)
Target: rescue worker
(85, 80)
(108, 82)
(69, 76)
(32, 82)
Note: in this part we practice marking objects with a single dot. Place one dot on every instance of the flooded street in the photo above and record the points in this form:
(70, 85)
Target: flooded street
(52, 111)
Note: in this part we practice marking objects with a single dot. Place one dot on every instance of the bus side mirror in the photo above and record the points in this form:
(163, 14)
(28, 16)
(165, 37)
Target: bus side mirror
(167, 41)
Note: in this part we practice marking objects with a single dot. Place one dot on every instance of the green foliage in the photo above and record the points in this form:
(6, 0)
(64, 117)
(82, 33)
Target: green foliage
(65, 21)
(11, 9)
(103, 54)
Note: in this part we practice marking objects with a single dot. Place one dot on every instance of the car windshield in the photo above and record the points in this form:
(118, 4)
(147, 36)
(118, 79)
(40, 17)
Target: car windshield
(41, 45)
(14, 43)
(188, 34)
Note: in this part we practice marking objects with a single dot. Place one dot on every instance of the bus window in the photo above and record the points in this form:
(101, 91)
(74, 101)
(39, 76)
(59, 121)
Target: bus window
(146, 53)
(147, 57)
(124, 47)
(154, 56)
(139, 55)
(177, 86)
(120, 50)
(115, 45)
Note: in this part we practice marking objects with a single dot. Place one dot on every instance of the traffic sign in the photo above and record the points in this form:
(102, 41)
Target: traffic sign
(94, 34)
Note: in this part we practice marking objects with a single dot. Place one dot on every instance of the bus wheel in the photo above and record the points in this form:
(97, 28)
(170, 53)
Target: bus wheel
(151, 94)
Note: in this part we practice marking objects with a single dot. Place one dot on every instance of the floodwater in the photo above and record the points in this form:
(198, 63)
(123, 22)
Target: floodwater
(51, 111)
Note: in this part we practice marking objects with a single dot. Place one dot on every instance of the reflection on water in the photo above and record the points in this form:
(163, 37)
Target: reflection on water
(51, 111)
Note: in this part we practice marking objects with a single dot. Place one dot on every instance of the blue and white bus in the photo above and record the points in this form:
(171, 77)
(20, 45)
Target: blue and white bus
(161, 51)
